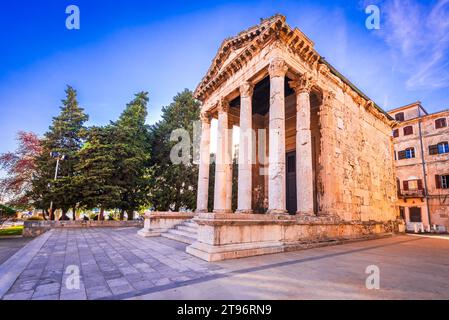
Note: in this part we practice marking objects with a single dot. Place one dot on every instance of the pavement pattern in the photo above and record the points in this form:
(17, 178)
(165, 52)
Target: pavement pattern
(118, 264)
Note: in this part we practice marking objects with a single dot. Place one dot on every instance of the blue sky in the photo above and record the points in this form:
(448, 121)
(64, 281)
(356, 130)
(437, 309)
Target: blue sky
(163, 47)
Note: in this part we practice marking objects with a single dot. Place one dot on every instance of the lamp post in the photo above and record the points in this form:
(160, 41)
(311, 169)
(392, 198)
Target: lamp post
(59, 157)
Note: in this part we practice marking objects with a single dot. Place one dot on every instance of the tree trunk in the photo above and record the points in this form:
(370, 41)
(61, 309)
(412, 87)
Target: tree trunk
(122, 214)
(101, 217)
(74, 213)
(130, 215)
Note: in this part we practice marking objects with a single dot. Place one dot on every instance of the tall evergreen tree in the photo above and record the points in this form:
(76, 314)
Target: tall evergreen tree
(132, 152)
(173, 186)
(64, 137)
(96, 170)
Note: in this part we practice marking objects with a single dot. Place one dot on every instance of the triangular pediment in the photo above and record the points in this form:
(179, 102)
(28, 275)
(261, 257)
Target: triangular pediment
(235, 51)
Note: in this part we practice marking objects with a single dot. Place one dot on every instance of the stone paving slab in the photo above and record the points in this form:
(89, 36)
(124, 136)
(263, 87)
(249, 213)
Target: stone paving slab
(118, 264)
(111, 263)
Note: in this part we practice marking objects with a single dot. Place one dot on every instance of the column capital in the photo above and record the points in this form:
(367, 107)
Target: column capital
(277, 68)
(246, 89)
(303, 84)
(205, 117)
(223, 106)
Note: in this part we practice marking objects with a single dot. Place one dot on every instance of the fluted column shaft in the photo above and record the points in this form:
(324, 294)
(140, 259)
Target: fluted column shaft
(304, 157)
(246, 149)
(204, 167)
(223, 162)
(277, 175)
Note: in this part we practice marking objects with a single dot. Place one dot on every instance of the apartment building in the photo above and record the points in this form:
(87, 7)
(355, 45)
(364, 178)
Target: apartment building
(422, 165)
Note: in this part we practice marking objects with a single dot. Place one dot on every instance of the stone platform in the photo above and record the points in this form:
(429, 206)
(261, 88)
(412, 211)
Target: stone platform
(231, 236)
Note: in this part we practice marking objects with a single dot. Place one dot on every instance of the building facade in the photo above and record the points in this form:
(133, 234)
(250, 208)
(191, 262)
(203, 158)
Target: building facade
(422, 165)
(309, 139)
(315, 159)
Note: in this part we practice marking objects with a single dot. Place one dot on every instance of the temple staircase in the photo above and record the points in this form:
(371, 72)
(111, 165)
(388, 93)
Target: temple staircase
(185, 232)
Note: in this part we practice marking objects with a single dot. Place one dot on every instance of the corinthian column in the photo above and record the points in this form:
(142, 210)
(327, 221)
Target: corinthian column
(246, 147)
(276, 184)
(304, 160)
(223, 161)
(203, 175)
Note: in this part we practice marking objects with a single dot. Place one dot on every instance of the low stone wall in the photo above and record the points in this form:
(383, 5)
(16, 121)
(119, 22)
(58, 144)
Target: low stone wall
(160, 222)
(230, 236)
(33, 229)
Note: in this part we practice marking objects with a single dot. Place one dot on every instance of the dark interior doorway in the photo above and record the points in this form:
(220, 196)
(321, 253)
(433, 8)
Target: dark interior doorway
(291, 183)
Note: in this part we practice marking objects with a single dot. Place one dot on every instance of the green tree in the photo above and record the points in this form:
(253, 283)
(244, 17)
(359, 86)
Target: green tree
(96, 170)
(132, 152)
(64, 137)
(173, 186)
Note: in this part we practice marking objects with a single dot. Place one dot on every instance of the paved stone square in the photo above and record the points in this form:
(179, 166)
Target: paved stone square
(117, 264)
(9, 246)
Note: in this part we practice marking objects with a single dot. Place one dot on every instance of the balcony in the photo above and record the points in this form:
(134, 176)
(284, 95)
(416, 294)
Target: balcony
(407, 194)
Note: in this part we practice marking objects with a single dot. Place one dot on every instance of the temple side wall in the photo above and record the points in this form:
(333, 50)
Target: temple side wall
(357, 182)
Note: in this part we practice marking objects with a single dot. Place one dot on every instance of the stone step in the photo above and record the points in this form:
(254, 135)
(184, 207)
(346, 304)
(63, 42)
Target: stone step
(178, 237)
(187, 228)
(192, 224)
(183, 233)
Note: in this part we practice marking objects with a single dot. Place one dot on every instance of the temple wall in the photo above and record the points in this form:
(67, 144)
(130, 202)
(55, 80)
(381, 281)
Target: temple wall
(358, 178)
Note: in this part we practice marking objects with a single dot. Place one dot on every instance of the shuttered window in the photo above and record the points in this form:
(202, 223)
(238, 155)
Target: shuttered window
(440, 123)
(408, 131)
(408, 153)
(441, 148)
(433, 149)
(399, 116)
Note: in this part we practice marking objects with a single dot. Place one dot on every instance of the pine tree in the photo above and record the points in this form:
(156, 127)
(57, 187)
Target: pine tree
(65, 138)
(96, 170)
(132, 152)
(173, 186)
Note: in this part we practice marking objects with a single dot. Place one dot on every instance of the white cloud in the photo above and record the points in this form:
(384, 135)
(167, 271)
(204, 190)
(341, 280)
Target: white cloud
(418, 36)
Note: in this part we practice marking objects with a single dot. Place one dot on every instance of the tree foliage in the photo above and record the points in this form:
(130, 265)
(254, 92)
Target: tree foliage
(64, 137)
(20, 167)
(132, 152)
(173, 186)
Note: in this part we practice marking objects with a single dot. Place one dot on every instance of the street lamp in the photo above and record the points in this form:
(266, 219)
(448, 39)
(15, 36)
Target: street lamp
(59, 157)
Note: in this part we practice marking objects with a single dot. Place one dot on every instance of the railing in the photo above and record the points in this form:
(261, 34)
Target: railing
(412, 193)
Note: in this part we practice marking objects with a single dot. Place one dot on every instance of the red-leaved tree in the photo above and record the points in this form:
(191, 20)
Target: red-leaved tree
(20, 167)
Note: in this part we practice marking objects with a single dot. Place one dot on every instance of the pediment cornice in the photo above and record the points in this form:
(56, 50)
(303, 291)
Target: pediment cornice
(247, 44)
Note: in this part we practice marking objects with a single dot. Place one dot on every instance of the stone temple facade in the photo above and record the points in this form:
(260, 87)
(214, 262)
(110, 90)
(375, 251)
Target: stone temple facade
(315, 159)
(421, 142)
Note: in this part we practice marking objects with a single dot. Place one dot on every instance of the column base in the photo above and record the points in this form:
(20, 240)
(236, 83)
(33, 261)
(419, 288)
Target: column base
(222, 211)
(306, 213)
(244, 211)
(201, 211)
(277, 211)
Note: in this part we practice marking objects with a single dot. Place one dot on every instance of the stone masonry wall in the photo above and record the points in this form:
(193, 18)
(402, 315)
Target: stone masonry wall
(358, 181)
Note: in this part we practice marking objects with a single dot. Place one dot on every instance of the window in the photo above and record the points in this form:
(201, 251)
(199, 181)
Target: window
(399, 116)
(442, 182)
(408, 131)
(441, 148)
(396, 133)
(408, 153)
(415, 214)
(413, 185)
(440, 123)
